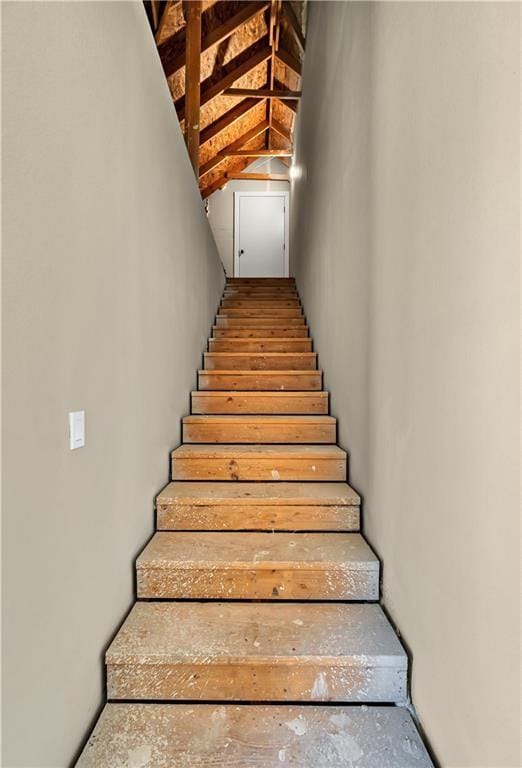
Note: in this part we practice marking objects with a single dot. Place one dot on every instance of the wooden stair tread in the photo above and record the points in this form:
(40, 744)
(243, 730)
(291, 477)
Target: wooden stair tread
(258, 566)
(261, 344)
(252, 402)
(257, 736)
(260, 451)
(261, 419)
(258, 321)
(260, 360)
(261, 380)
(278, 633)
(262, 550)
(247, 372)
(258, 494)
(254, 332)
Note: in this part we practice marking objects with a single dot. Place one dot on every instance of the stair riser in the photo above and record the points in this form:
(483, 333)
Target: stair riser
(232, 403)
(259, 433)
(283, 331)
(271, 469)
(290, 681)
(262, 321)
(251, 381)
(259, 312)
(227, 583)
(250, 345)
(227, 517)
(284, 361)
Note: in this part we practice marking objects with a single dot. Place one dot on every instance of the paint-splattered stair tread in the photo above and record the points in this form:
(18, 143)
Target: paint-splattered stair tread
(258, 736)
(307, 566)
(257, 652)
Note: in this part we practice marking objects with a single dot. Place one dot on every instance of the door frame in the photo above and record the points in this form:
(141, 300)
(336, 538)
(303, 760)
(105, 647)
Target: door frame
(235, 239)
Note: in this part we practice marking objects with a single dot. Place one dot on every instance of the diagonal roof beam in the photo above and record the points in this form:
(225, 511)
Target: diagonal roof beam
(281, 130)
(237, 144)
(219, 183)
(170, 4)
(225, 121)
(172, 62)
(211, 91)
(280, 93)
(289, 61)
(290, 16)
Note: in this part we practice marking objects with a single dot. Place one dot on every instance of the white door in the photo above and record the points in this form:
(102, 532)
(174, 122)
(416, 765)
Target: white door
(261, 234)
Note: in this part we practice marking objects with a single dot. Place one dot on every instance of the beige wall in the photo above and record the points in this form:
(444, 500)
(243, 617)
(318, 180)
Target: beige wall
(415, 284)
(110, 279)
(221, 206)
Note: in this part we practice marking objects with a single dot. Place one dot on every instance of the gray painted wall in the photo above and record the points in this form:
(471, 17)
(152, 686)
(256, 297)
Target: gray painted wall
(111, 277)
(406, 249)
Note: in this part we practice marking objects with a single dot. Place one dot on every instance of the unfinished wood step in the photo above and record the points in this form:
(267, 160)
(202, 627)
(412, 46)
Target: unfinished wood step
(251, 332)
(264, 320)
(254, 303)
(257, 736)
(258, 306)
(259, 429)
(260, 402)
(258, 566)
(260, 380)
(257, 652)
(266, 344)
(259, 312)
(260, 281)
(271, 292)
(264, 361)
(258, 506)
(259, 462)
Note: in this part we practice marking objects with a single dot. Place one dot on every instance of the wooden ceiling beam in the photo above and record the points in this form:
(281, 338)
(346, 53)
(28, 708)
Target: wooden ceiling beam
(172, 64)
(193, 64)
(239, 71)
(290, 104)
(289, 61)
(170, 4)
(275, 23)
(293, 22)
(226, 120)
(237, 144)
(259, 153)
(281, 130)
(258, 176)
(263, 93)
(219, 183)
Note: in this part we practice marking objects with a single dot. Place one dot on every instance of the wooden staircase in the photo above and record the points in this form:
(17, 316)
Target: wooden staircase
(257, 639)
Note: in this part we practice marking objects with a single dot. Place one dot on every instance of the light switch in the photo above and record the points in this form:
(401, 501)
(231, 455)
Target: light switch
(76, 429)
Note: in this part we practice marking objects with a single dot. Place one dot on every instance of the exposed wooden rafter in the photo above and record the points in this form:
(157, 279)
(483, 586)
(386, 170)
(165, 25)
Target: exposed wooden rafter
(263, 93)
(248, 85)
(290, 16)
(225, 121)
(235, 73)
(281, 130)
(173, 61)
(258, 176)
(235, 145)
(193, 64)
(259, 153)
(289, 61)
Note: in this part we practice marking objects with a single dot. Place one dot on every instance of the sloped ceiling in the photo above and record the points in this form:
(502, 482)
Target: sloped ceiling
(249, 45)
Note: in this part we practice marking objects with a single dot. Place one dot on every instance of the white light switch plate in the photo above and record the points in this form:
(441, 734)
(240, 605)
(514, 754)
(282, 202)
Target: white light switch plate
(76, 429)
